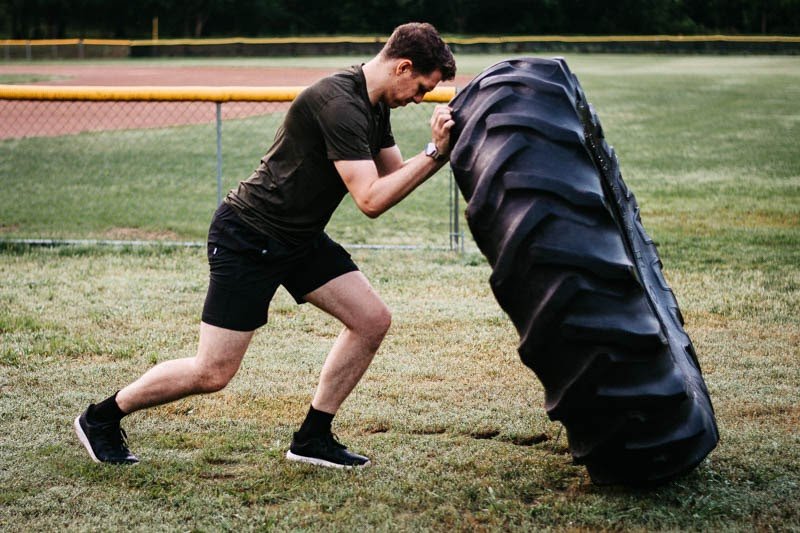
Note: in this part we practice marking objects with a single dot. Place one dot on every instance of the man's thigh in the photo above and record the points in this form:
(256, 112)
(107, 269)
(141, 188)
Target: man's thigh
(221, 350)
(351, 299)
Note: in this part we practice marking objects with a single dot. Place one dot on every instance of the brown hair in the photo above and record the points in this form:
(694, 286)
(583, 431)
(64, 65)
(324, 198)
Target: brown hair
(421, 43)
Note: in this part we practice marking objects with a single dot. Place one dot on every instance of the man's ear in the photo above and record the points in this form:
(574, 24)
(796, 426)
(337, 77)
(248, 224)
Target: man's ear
(403, 66)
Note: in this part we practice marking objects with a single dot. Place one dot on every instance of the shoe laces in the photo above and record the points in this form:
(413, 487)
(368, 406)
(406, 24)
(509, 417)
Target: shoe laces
(335, 441)
(117, 436)
(123, 439)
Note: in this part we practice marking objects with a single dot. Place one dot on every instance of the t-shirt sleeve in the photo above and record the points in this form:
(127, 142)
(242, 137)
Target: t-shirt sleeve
(345, 130)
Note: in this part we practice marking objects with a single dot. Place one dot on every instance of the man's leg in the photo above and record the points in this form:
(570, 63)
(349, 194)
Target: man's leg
(351, 299)
(219, 354)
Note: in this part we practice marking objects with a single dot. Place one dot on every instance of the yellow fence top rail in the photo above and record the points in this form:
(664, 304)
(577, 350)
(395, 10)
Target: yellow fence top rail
(257, 40)
(375, 39)
(166, 94)
(625, 38)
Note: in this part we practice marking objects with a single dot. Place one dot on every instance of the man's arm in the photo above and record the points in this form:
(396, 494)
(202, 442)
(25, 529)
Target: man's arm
(375, 189)
(375, 194)
(389, 160)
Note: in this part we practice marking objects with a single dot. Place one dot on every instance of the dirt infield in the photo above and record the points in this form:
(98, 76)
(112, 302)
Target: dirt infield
(45, 119)
(28, 119)
(117, 75)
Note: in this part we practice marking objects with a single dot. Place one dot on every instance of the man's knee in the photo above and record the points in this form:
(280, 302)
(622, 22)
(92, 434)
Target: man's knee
(218, 357)
(212, 379)
(377, 324)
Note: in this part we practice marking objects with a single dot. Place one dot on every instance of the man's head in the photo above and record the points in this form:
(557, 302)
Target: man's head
(421, 44)
(419, 60)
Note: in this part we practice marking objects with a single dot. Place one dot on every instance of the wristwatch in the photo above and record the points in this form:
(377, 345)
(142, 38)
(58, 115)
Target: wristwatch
(432, 151)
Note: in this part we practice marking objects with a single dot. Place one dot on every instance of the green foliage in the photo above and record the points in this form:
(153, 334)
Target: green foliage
(181, 18)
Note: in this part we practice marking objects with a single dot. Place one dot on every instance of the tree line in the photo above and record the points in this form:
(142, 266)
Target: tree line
(37, 19)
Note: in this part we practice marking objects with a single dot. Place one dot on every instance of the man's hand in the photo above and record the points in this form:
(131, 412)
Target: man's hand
(441, 123)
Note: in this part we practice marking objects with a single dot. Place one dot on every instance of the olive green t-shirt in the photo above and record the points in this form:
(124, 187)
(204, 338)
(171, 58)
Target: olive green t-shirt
(292, 195)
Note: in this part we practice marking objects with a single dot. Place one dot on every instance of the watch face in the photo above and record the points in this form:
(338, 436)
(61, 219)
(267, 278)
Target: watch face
(430, 150)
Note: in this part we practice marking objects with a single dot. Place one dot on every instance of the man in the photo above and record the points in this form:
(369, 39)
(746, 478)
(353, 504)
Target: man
(335, 139)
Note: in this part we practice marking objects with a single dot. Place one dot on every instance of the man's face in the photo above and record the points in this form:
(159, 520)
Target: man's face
(410, 86)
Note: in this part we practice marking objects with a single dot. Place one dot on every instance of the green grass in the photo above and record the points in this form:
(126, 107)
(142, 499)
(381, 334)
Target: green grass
(450, 416)
(161, 183)
(683, 126)
(452, 419)
(27, 78)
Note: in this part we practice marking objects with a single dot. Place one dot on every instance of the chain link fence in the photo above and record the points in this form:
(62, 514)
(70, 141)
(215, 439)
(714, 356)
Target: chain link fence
(148, 170)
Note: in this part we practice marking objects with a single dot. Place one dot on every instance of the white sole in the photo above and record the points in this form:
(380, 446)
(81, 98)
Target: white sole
(84, 440)
(322, 462)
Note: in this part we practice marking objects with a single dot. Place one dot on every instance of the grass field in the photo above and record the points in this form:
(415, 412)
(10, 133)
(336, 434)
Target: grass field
(452, 419)
(161, 183)
(25, 78)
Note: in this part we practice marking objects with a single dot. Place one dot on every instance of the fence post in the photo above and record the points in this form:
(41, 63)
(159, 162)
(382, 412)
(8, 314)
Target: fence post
(456, 236)
(28, 50)
(219, 152)
(450, 208)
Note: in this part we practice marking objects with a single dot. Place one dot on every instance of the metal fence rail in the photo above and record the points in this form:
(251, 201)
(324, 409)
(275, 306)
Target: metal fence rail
(102, 138)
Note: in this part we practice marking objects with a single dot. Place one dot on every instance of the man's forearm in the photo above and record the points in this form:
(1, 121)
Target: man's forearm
(388, 190)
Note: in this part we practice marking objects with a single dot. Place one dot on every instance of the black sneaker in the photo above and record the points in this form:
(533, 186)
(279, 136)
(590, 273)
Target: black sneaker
(325, 451)
(106, 443)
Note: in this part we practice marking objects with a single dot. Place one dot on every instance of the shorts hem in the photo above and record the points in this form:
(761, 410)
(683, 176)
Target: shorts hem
(232, 327)
(300, 299)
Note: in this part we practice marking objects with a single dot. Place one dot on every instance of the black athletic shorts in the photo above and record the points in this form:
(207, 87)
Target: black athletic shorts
(247, 267)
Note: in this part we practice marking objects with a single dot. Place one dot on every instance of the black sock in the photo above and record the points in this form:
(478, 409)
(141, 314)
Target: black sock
(106, 411)
(317, 423)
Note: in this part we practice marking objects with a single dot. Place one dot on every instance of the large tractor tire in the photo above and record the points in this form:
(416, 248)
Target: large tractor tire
(577, 274)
